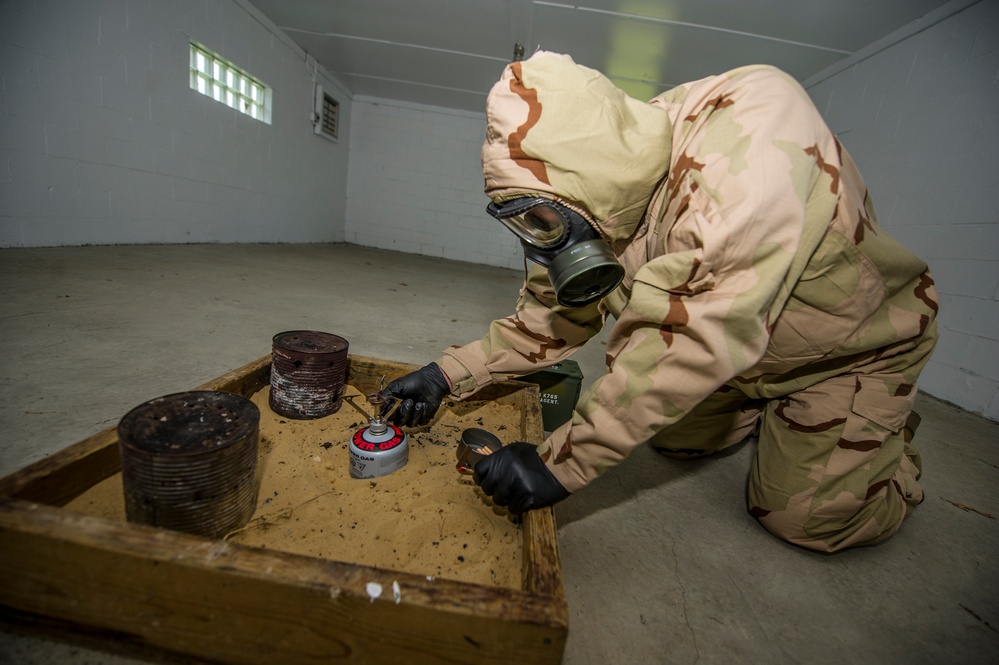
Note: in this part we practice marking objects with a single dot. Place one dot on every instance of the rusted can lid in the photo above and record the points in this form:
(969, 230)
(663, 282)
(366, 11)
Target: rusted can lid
(310, 342)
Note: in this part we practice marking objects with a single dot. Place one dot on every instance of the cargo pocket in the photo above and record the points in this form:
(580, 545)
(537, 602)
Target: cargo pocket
(884, 400)
(887, 401)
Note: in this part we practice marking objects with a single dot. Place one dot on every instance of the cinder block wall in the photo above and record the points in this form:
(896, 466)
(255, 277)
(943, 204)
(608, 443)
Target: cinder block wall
(415, 184)
(919, 112)
(102, 141)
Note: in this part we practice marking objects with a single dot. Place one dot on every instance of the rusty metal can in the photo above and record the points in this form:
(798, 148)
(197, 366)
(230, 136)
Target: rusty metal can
(308, 372)
(189, 462)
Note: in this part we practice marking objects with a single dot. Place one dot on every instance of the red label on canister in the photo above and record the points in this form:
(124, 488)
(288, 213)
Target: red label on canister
(370, 446)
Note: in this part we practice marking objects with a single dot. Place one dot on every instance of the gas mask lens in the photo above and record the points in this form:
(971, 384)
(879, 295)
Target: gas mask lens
(581, 267)
(535, 221)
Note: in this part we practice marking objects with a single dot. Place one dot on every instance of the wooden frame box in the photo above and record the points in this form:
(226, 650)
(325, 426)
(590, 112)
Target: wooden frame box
(63, 572)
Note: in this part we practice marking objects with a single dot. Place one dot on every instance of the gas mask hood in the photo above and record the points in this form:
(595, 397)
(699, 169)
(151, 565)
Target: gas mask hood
(565, 132)
(581, 266)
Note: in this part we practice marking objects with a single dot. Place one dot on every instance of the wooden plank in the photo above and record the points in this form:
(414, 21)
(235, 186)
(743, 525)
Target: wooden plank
(59, 478)
(233, 604)
(542, 566)
(244, 381)
(372, 374)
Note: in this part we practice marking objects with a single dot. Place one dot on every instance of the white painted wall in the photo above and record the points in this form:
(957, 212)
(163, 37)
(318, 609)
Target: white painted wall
(919, 112)
(102, 141)
(415, 184)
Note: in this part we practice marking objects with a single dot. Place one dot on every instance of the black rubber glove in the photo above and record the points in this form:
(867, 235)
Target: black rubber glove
(421, 393)
(515, 476)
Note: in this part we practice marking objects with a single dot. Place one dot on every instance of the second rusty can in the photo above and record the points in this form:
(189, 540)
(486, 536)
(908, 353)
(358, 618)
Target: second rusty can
(308, 372)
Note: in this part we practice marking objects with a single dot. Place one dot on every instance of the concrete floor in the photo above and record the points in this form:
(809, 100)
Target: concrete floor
(662, 563)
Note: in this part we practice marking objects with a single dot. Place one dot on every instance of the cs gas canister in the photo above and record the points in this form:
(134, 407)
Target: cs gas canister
(378, 450)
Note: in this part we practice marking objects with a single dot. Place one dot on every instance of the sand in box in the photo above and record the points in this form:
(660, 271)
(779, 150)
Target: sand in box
(425, 519)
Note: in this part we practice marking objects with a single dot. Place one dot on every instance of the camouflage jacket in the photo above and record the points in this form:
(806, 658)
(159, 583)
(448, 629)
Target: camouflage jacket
(750, 248)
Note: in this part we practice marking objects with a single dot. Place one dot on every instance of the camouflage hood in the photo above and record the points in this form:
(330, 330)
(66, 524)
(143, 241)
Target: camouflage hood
(558, 129)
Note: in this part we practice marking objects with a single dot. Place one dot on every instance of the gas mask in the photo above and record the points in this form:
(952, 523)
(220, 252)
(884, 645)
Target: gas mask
(580, 264)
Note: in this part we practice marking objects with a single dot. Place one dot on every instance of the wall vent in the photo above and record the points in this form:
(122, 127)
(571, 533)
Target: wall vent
(326, 121)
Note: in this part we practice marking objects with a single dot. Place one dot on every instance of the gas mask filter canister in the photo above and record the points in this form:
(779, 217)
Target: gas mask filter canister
(581, 266)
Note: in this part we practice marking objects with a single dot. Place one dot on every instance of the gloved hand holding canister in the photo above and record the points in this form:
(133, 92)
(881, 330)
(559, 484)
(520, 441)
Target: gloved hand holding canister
(515, 476)
(421, 393)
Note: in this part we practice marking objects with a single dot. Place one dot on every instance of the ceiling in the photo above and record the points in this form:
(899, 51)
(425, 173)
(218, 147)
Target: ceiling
(448, 53)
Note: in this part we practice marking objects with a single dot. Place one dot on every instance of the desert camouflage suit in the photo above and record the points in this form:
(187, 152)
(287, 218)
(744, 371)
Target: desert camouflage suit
(759, 292)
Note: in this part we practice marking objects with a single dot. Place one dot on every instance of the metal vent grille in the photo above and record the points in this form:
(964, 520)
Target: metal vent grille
(331, 113)
(327, 115)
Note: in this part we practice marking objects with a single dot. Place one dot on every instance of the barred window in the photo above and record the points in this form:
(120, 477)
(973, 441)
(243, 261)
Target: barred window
(224, 82)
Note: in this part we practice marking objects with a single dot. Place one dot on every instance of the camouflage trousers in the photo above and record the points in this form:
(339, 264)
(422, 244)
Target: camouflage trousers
(834, 467)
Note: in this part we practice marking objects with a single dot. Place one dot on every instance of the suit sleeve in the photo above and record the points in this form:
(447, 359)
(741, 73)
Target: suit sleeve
(540, 333)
